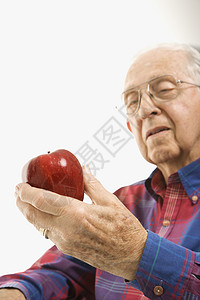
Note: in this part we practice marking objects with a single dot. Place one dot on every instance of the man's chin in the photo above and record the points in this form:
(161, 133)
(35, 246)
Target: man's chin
(162, 156)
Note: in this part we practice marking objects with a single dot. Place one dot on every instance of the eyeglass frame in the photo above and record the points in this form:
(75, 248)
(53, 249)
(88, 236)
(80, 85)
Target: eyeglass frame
(178, 81)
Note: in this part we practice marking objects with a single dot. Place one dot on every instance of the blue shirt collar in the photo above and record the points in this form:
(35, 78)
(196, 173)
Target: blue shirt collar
(189, 177)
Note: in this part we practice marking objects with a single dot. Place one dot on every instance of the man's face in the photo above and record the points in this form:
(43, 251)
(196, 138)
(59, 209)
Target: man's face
(180, 144)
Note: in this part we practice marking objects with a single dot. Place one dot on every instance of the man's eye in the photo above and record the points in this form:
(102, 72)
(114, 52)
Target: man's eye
(133, 102)
(167, 92)
(164, 90)
(131, 98)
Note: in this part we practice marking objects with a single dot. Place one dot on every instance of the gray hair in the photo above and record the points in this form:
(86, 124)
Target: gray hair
(192, 53)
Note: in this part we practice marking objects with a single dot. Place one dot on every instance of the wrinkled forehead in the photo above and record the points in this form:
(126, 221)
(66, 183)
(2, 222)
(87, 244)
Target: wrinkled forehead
(155, 63)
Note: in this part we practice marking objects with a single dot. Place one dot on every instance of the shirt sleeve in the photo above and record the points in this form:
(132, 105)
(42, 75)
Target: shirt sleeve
(54, 276)
(168, 270)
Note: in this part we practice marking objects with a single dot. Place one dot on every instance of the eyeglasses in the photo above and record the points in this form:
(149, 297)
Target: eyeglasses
(161, 89)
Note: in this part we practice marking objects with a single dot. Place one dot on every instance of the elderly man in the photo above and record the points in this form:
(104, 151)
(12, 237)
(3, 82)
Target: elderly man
(143, 242)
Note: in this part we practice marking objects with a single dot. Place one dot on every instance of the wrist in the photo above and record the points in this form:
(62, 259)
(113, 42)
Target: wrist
(137, 255)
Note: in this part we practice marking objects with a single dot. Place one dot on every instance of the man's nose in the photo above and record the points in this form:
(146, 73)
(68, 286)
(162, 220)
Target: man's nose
(148, 107)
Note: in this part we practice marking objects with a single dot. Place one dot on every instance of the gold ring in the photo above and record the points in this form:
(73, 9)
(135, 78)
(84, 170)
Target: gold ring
(44, 232)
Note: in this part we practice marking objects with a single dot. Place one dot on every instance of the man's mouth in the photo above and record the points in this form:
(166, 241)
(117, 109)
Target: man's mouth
(156, 130)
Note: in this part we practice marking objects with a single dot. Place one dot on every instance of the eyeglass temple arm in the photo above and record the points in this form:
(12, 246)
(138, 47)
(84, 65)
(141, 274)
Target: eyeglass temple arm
(182, 81)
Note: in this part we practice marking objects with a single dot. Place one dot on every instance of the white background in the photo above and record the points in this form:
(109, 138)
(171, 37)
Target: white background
(62, 69)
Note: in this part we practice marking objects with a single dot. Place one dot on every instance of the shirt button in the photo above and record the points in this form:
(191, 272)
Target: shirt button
(194, 198)
(158, 290)
(166, 223)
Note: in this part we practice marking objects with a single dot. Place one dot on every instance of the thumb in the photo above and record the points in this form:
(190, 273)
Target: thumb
(95, 190)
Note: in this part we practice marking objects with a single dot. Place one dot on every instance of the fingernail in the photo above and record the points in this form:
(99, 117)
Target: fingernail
(17, 189)
(86, 169)
(87, 172)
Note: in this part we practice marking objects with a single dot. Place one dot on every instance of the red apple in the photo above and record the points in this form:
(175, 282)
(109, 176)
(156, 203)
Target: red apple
(59, 172)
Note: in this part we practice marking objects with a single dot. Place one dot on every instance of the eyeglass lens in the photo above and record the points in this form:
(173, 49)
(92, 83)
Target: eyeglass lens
(163, 88)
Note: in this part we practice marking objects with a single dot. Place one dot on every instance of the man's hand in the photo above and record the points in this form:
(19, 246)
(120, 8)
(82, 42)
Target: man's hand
(11, 294)
(104, 234)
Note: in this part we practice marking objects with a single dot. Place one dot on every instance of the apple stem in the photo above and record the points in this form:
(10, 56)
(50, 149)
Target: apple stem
(49, 152)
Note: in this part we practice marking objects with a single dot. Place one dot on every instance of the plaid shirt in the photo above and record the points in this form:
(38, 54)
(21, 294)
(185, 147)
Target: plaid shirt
(169, 267)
